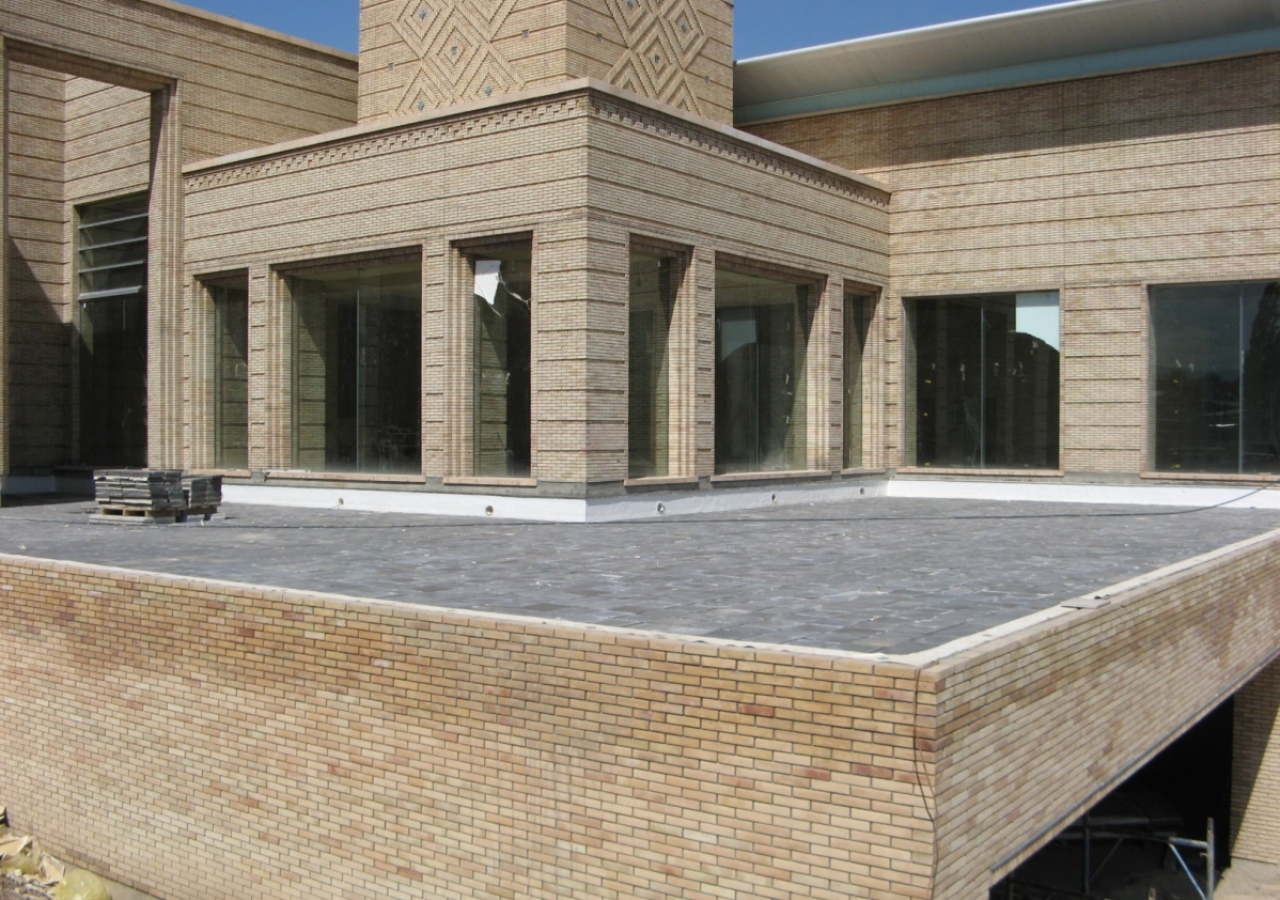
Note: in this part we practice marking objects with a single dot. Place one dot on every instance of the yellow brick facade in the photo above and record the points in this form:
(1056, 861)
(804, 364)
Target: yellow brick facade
(287, 744)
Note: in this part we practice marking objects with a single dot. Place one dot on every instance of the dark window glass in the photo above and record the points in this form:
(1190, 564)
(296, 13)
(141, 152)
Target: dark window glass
(112, 275)
(857, 323)
(1217, 377)
(357, 370)
(231, 373)
(502, 399)
(984, 381)
(652, 301)
(761, 335)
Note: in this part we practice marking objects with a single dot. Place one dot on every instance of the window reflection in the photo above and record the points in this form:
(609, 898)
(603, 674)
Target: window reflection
(502, 400)
(1217, 377)
(984, 383)
(652, 302)
(357, 369)
(761, 334)
(231, 372)
(112, 275)
(858, 306)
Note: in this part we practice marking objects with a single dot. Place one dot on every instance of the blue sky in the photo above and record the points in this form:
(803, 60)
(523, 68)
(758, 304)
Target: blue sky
(762, 26)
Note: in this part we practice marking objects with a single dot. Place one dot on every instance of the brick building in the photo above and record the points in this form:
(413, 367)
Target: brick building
(562, 258)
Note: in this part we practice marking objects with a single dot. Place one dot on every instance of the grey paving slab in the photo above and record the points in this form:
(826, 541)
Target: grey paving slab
(875, 575)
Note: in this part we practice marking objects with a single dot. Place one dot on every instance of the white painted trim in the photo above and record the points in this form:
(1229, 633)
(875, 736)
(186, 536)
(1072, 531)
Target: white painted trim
(1119, 494)
(549, 509)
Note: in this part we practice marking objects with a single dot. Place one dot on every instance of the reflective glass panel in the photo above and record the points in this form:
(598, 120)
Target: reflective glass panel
(1216, 382)
(984, 383)
(502, 411)
(857, 323)
(357, 370)
(761, 334)
(652, 301)
(113, 381)
(112, 274)
(231, 373)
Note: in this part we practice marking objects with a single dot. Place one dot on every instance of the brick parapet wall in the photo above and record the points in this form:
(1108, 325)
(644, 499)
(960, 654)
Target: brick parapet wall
(285, 744)
(1035, 727)
(245, 730)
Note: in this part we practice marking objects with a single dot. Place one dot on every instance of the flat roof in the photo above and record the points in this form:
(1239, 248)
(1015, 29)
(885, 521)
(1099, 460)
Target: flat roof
(1064, 40)
(876, 575)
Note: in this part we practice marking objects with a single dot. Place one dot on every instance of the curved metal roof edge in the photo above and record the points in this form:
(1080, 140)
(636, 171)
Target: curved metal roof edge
(806, 81)
(942, 28)
(1203, 49)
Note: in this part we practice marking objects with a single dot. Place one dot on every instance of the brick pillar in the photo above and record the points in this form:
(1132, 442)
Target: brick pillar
(270, 372)
(164, 284)
(703, 279)
(436, 361)
(1255, 770)
(4, 268)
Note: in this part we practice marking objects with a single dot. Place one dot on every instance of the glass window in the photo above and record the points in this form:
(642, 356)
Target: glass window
(231, 372)
(652, 302)
(112, 274)
(984, 382)
(502, 399)
(858, 306)
(1217, 377)
(357, 369)
(761, 332)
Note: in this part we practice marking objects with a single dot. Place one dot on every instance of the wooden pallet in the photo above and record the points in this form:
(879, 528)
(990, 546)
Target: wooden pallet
(140, 515)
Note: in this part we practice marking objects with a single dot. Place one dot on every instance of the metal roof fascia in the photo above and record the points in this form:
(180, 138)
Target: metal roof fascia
(1201, 49)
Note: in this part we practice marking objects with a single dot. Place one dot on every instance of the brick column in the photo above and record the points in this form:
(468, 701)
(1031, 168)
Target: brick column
(4, 253)
(1255, 770)
(164, 284)
(703, 278)
(270, 372)
(436, 258)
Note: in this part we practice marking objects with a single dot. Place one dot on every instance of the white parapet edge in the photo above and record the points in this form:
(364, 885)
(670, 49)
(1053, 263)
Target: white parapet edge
(1246, 497)
(550, 509)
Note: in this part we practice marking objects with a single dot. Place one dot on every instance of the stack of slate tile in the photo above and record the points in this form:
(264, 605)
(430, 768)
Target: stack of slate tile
(202, 491)
(152, 490)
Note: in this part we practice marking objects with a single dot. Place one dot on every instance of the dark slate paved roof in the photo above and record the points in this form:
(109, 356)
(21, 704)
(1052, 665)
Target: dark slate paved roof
(877, 575)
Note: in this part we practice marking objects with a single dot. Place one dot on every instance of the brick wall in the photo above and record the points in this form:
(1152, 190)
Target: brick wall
(583, 170)
(1255, 781)
(238, 88)
(39, 346)
(416, 57)
(1095, 188)
(1034, 728)
(201, 741)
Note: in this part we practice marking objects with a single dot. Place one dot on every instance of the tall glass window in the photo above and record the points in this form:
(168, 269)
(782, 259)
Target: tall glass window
(984, 381)
(230, 372)
(858, 306)
(112, 271)
(502, 398)
(761, 336)
(1217, 377)
(357, 369)
(652, 301)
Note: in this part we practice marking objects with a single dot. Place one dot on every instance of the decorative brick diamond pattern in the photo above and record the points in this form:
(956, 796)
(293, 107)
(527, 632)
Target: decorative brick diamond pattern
(457, 58)
(664, 38)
